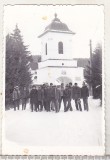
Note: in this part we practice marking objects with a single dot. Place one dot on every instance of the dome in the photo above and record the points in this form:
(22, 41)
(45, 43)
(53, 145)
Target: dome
(56, 24)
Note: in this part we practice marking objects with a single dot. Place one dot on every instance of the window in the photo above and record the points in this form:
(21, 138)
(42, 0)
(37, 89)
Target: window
(60, 48)
(46, 48)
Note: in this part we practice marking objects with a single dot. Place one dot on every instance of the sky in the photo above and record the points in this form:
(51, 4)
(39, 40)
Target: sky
(87, 21)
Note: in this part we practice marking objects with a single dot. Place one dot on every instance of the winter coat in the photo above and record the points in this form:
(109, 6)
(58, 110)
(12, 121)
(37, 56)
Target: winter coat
(58, 94)
(33, 96)
(16, 94)
(84, 92)
(50, 93)
(67, 93)
(46, 96)
(70, 92)
(62, 90)
(25, 94)
(55, 93)
(76, 92)
(40, 95)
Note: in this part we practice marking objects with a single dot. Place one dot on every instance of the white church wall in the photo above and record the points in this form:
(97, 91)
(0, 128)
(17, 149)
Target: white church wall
(34, 76)
(57, 63)
(44, 76)
(52, 39)
(55, 66)
(52, 74)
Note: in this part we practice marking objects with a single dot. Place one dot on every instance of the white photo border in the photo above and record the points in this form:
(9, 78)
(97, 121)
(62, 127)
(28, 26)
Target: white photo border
(106, 71)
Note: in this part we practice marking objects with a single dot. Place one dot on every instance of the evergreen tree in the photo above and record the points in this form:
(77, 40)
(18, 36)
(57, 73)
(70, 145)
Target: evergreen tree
(93, 75)
(17, 63)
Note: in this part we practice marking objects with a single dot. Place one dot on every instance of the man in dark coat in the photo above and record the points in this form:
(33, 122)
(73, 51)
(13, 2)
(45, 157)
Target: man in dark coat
(50, 96)
(76, 94)
(46, 98)
(24, 96)
(85, 95)
(43, 100)
(62, 97)
(40, 98)
(67, 98)
(33, 98)
(16, 97)
(55, 95)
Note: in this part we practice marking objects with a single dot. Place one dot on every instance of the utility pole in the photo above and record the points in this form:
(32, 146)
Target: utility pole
(90, 87)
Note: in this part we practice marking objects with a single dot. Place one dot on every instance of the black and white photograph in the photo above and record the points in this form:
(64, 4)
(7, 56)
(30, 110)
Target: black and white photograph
(54, 80)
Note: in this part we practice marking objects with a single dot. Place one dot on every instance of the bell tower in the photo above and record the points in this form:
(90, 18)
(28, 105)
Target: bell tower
(57, 63)
(56, 41)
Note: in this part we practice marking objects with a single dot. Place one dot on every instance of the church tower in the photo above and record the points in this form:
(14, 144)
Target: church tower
(56, 41)
(57, 63)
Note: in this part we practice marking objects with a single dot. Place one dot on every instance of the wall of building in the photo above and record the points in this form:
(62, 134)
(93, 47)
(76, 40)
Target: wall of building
(62, 66)
(52, 39)
(53, 74)
(58, 63)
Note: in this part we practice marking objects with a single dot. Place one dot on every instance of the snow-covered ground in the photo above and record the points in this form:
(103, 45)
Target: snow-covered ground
(25, 128)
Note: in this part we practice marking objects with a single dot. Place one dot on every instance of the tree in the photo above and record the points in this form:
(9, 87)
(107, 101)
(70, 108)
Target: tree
(17, 63)
(93, 73)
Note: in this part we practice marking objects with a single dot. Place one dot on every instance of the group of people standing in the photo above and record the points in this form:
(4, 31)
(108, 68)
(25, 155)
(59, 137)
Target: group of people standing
(49, 97)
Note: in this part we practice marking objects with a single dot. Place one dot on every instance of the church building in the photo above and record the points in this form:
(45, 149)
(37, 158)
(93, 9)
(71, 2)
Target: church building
(57, 57)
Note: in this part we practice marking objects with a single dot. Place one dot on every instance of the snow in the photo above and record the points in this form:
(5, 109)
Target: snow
(66, 129)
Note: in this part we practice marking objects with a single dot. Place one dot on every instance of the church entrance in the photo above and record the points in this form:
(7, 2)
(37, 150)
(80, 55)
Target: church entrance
(64, 79)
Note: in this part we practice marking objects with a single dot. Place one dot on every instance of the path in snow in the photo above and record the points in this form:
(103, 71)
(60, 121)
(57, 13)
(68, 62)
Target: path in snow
(55, 129)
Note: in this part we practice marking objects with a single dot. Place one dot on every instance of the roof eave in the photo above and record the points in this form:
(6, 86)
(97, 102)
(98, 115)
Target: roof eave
(67, 32)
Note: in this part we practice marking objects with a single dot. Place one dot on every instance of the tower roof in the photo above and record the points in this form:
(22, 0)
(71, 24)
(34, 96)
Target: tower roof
(57, 26)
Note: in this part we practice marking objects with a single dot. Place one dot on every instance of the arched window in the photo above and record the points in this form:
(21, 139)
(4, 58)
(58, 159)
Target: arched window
(60, 48)
(46, 48)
